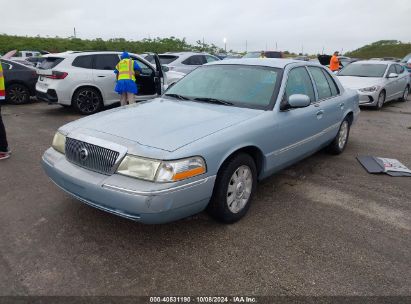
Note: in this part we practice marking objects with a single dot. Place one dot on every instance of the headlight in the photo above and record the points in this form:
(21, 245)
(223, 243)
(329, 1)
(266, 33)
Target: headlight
(59, 142)
(139, 167)
(370, 89)
(161, 171)
(172, 171)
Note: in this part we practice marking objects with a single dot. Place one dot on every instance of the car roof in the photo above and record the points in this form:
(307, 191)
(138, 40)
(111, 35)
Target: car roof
(372, 62)
(184, 53)
(268, 62)
(77, 53)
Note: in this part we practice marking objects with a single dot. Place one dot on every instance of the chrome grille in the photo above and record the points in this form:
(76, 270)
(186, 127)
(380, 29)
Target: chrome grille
(90, 156)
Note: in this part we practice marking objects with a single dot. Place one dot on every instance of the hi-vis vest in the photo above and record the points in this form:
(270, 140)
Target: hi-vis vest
(125, 69)
(2, 88)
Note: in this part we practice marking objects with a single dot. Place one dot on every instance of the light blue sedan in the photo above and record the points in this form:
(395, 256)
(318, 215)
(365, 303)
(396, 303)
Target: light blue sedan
(205, 143)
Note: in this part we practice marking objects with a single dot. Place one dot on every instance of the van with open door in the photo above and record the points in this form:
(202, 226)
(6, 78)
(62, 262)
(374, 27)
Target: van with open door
(86, 80)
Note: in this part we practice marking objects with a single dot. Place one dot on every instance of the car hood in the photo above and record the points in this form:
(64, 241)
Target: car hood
(163, 123)
(356, 83)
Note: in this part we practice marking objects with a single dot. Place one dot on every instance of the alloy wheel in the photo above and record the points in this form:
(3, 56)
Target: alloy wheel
(88, 101)
(17, 94)
(239, 189)
(343, 134)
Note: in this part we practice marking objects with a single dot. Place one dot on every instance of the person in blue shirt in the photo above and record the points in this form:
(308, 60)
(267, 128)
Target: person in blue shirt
(126, 79)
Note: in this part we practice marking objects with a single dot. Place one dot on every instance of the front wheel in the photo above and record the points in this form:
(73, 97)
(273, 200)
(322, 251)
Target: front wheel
(380, 101)
(87, 101)
(235, 185)
(340, 141)
(405, 94)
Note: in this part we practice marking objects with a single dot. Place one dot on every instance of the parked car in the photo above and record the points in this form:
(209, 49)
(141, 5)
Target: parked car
(20, 81)
(205, 143)
(303, 58)
(185, 62)
(376, 81)
(268, 54)
(172, 76)
(406, 61)
(86, 80)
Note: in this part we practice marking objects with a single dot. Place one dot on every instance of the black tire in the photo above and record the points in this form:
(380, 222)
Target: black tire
(340, 141)
(220, 207)
(17, 94)
(404, 97)
(381, 100)
(87, 101)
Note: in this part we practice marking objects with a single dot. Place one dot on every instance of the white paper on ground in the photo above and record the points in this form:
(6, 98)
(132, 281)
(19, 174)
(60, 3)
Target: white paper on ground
(393, 165)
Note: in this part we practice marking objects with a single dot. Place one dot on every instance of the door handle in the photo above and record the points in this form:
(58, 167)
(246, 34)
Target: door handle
(342, 105)
(320, 114)
(101, 76)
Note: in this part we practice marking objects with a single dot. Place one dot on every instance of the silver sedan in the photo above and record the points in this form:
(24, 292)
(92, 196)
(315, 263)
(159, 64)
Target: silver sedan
(376, 81)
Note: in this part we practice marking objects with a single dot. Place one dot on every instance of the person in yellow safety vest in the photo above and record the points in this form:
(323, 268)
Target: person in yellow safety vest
(126, 80)
(4, 147)
(262, 55)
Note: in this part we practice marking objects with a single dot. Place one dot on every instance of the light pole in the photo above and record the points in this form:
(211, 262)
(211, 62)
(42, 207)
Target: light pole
(225, 44)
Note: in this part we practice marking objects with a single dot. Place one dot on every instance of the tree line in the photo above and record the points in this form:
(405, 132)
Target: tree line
(58, 44)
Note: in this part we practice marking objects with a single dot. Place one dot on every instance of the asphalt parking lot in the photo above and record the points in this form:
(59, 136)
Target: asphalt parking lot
(322, 227)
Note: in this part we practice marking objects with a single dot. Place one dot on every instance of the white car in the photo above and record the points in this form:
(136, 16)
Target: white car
(86, 80)
(172, 76)
(376, 81)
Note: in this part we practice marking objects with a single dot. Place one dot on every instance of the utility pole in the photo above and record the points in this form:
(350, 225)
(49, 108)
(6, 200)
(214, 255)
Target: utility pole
(246, 46)
(302, 49)
(75, 33)
(276, 46)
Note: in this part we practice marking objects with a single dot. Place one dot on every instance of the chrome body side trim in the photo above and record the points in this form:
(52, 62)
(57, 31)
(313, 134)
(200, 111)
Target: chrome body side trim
(304, 141)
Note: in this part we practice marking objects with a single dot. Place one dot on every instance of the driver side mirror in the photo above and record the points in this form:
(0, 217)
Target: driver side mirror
(165, 68)
(299, 101)
(392, 75)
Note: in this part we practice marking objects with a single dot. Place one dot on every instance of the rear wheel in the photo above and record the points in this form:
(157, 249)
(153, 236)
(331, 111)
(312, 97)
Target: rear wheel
(405, 94)
(17, 94)
(380, 101)
(340, 141)
(87, 101)
(235, 185)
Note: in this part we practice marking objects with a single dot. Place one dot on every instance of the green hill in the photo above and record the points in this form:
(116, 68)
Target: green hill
(382, 48)
(57, 44)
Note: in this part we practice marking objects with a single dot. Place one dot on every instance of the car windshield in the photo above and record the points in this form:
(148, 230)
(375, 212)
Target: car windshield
(406, 58)
(166, 59)
(238, 85)
(364, 70)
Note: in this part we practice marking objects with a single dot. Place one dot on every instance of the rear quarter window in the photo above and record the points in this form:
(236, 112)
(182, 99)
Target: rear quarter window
(50, 62)
(85, 62)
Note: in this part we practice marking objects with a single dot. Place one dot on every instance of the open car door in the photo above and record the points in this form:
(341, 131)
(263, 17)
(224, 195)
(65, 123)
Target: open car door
(159, 77)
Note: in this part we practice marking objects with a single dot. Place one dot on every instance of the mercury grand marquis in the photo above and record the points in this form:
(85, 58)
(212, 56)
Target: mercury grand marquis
(205, 143)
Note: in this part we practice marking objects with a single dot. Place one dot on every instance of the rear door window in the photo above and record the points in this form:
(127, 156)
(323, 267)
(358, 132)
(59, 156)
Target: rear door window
(85, 62)
(323, 88)
(299, 82)
(50, 62)
(195, 60)
(334, 88)
(106, 61)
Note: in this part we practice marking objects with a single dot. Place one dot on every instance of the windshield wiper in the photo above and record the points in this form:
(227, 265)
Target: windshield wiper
(214, 100)
(181, 97)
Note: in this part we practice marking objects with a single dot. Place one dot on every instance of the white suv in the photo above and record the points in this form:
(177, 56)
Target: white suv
(86, 80)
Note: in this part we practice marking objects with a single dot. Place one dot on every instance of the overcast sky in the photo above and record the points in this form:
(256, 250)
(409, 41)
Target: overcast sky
(291, 24)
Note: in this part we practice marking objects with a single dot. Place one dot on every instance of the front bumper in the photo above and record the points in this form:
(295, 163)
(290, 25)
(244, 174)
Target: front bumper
(369, 98)
(146, 202)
